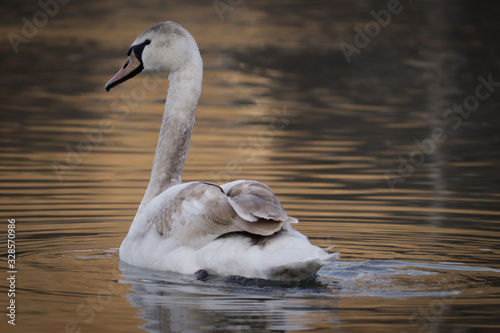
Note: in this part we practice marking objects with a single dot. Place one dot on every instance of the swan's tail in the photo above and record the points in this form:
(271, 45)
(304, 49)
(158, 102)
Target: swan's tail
(299, 271)
(285, 257)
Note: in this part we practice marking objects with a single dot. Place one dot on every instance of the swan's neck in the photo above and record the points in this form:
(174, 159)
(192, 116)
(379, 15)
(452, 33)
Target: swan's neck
(176, 128)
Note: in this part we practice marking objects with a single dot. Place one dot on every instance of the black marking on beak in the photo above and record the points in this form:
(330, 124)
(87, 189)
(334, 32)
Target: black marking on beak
(134, 60)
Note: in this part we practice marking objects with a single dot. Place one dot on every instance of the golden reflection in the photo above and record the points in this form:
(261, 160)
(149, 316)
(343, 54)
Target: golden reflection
(346, 126)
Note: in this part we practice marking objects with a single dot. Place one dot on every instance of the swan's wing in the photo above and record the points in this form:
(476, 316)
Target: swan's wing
(255, 202)
(197, 213)
(192, 213)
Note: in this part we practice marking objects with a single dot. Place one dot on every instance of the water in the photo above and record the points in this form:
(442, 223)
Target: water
(280, 104)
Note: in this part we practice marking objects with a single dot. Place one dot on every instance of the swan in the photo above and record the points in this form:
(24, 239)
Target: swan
(239, 228)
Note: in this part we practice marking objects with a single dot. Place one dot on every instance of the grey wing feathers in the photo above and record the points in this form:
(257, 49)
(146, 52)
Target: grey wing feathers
(259, 211)
(204, 209)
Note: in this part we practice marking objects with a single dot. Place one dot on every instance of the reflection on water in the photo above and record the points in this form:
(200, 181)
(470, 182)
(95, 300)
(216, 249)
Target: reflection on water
(75, 161)
(171, 304)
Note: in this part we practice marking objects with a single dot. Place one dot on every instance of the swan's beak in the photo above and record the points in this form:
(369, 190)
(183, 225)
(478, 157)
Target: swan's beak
(132, 67)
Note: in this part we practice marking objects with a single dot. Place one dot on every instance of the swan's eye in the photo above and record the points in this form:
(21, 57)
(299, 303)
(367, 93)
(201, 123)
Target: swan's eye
(138, 48)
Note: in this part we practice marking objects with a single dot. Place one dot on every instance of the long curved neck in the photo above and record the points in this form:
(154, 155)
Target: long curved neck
(176, 128)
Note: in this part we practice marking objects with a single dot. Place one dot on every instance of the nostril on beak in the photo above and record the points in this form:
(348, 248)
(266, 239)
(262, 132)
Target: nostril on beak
(126, 63)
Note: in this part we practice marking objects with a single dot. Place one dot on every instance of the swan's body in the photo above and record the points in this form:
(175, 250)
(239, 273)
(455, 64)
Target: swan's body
(239, 228)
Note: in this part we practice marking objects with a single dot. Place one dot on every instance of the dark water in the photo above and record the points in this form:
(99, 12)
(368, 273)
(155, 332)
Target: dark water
(392, 157)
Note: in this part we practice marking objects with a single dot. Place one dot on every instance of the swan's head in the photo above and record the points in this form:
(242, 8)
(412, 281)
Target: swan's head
(165, 46)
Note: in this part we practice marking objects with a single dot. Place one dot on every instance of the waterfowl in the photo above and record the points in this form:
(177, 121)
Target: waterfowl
(239, 228)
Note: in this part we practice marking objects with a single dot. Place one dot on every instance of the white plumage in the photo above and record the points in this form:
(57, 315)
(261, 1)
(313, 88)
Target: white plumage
(239, 228)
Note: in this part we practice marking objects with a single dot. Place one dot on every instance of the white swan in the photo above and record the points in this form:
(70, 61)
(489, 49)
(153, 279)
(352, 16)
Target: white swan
(239, 228)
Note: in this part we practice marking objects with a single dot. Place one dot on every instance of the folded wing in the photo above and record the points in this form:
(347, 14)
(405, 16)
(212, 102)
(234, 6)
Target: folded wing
(197, 213)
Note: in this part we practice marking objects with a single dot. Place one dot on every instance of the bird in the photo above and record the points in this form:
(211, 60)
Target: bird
(236, 229)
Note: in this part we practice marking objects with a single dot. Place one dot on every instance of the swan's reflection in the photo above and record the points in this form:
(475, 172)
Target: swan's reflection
(170, 302)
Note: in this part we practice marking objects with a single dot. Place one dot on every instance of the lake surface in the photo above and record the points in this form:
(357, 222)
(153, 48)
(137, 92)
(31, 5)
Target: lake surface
(390, 153)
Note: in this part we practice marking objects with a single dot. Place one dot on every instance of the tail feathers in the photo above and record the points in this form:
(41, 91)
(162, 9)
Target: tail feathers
(331, 256)
(296, 271)
(299, 271)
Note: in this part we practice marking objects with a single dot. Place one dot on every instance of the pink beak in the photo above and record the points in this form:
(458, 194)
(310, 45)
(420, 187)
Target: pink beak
(132, 67)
